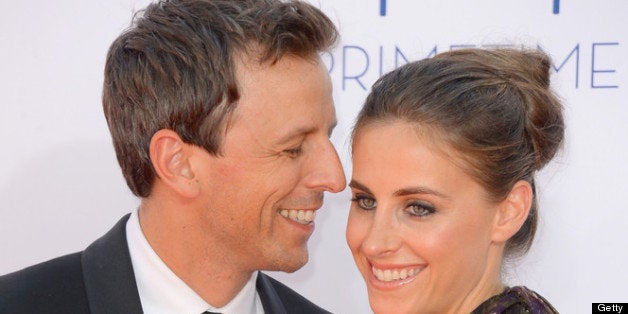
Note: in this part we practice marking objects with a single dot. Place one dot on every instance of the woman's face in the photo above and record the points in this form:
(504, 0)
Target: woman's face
(419, 227)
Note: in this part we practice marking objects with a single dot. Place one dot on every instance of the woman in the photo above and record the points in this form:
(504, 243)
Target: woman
(444, 155)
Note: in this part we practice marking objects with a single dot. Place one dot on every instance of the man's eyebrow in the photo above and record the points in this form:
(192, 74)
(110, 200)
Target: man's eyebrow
(298, 132)
(357, 185)
(292, 134)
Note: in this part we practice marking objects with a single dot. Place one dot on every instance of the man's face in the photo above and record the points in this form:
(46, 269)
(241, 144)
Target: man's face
(277, 160)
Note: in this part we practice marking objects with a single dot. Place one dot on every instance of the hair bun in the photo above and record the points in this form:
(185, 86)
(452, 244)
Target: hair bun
(544, 123)
(528, 72)
(538, 65)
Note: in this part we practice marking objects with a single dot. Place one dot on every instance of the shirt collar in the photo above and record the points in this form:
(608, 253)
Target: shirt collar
(161, 291)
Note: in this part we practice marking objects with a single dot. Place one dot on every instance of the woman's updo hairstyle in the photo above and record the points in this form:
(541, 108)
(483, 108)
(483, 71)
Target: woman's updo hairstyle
(494, 107)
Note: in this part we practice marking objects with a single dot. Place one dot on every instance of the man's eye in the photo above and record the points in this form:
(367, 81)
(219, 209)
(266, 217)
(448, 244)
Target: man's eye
(294, 152)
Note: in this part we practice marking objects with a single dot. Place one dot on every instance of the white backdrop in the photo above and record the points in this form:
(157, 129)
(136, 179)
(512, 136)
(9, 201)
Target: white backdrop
(60, 186)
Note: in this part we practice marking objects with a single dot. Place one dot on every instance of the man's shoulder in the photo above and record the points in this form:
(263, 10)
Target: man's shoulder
(52, 286)
(293, 301)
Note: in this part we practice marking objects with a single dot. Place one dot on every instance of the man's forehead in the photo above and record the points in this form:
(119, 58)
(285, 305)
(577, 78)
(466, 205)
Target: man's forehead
(290, 132)
(252, 60)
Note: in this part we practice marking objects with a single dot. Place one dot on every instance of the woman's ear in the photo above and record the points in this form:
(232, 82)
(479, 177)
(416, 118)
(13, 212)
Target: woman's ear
(513, 212)
(170, 157)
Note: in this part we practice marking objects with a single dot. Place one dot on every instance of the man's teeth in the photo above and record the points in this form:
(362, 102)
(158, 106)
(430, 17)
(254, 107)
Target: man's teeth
(301, 216)
(395, 274)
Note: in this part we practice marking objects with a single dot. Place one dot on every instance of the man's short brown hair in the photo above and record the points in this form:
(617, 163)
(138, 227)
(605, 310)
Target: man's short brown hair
(175, 69)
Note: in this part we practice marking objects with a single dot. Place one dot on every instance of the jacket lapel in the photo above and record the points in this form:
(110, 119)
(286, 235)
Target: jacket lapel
(270, 299)
(108, 274)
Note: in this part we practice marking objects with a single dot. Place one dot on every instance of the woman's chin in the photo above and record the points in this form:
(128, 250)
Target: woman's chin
(381, 304)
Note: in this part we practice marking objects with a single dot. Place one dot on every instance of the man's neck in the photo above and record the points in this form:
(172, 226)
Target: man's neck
(188, 252)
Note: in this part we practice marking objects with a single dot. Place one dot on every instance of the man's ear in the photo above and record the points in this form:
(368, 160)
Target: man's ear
(170, 157)
(513, 212)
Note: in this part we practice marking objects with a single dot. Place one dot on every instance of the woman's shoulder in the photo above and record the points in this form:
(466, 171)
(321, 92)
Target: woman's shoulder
(515, 300)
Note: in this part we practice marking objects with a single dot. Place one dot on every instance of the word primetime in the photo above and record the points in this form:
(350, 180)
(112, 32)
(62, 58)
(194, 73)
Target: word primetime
(357, 66)
(608, 307)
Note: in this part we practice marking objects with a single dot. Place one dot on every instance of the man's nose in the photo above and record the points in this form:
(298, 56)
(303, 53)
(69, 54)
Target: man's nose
(327, 172)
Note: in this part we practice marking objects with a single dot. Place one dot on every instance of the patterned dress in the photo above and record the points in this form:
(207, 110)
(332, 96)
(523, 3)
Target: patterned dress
(515, 300)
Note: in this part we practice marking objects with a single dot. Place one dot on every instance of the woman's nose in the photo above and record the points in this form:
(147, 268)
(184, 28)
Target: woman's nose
(382, 238)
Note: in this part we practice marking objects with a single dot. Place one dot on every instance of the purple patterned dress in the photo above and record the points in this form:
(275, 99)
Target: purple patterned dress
(515, 300)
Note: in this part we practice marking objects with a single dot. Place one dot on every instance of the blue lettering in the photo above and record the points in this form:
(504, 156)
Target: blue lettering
(355, 67)
(382, 7)
(594, 70)
(433, 52)
(397, 54)
(346, 77)
(575, 50)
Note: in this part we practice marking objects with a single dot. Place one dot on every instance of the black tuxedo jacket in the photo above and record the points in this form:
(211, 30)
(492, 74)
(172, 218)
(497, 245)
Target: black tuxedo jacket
(101, 280)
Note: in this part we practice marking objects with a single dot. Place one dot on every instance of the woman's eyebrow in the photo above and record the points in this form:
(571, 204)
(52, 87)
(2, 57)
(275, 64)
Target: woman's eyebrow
(402, 192)
(357, 185)
(419, 190)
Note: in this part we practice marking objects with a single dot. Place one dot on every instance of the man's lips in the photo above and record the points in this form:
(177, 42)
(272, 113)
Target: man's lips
(302, 216)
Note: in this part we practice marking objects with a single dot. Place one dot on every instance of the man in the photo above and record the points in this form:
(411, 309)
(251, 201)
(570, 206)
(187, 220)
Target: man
(220, 113)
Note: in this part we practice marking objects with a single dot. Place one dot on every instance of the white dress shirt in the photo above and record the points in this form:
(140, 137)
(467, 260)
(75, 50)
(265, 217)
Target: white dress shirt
(162, 292)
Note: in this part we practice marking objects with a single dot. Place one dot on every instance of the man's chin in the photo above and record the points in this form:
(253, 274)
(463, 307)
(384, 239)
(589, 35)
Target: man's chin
(293, 268)
(289, 264)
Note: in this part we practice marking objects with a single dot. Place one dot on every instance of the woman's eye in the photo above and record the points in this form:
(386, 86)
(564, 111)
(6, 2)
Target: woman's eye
(420, 210)
(365, 202)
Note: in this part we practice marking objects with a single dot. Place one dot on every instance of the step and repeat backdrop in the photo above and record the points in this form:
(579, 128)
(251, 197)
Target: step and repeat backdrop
(60, 186)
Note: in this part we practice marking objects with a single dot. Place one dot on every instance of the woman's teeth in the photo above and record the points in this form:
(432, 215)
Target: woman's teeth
(395, 274)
